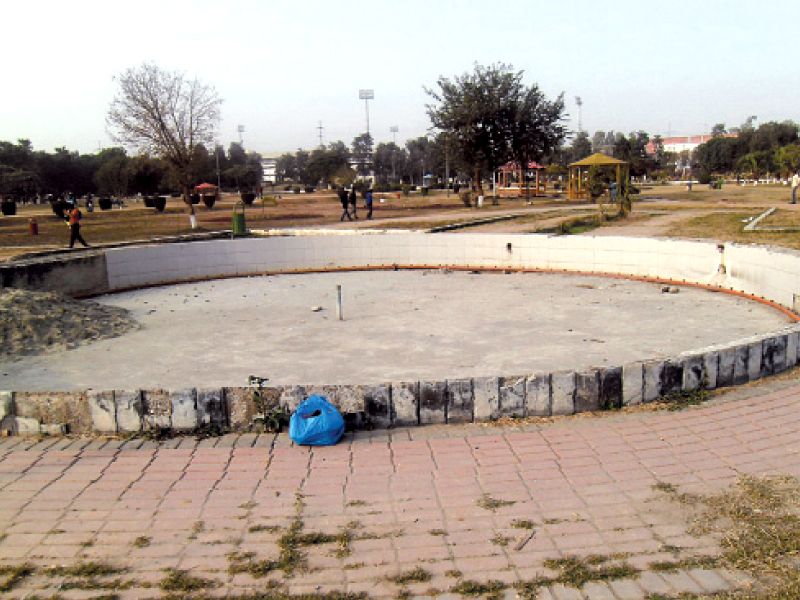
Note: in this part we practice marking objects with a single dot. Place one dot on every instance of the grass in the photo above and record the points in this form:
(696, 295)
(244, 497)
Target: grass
(180, 581)
(10, 577)
(757, 524)
(415, 575)
(728, 227)
(492, 504)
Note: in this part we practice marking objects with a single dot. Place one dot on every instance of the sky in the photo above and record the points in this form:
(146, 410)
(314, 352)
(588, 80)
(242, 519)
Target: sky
(286, 68)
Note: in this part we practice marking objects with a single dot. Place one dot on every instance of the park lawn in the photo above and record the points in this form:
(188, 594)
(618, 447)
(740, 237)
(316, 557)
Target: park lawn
(729, 227)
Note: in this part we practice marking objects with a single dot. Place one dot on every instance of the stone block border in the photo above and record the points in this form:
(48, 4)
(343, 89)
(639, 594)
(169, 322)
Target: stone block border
(404, 404)
(769, 275)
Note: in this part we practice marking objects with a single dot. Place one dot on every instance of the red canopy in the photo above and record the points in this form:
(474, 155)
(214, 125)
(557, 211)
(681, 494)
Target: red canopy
(205, 186)
(514, 166)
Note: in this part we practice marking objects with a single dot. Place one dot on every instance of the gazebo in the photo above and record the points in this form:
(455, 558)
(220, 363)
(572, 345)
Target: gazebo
(579, 170)
(512, 178)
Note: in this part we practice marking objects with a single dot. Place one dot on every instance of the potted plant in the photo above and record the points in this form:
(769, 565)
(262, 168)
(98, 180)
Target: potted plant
(104, 203)
(209, 200)
(248, 197)
(9, 207)
(160, 203)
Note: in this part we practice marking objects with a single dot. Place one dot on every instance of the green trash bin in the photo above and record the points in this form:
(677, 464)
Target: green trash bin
(238, 226)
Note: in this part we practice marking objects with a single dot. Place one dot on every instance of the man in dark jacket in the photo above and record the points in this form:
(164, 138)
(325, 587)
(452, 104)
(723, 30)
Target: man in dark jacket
(353, 201)
(345, 204)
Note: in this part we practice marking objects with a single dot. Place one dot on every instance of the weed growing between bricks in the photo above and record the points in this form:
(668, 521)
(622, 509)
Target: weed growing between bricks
(757, 524)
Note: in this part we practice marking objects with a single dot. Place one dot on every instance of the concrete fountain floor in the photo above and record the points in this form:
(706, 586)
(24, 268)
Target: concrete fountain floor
(397, 326)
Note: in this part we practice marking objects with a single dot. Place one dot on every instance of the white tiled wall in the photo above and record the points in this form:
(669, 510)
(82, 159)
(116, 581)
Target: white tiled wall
(768, 273)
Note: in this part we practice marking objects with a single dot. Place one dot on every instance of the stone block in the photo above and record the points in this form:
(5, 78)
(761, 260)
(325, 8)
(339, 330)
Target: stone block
(6, 404)
(632, 384)
(773, 354)
(538, 402)
(378, 405)
(711, 369)
(432, 402)
(239, 402)
(610, 388)
(587, 391)
(405, 404)
(562, 387)
(755, 360)
(104, 412)
(184, 409)
(26, 426)
(741, 363)
(460, 401)
(652, 380)
(512, 396)
(129, 410)
(56, 429)
(487, 398)
(694, 373)
(347, 398)
(792, 339)
(726, 375)
(212, 409)
(8, 426)
(291, 397)
(671, 378)
(56, 407)
(156, 409)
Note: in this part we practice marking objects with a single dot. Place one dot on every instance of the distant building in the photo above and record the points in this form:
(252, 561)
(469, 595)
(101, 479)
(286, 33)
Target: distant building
(270, 168)
(685, 142)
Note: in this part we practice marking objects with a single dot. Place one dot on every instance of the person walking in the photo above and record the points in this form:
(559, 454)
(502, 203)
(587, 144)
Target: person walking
(795, 185)
(74, 219)
(369, 204)
(353, 201)
(345, 204)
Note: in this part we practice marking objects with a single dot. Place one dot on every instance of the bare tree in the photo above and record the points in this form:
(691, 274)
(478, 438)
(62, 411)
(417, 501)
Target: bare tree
(165, 114)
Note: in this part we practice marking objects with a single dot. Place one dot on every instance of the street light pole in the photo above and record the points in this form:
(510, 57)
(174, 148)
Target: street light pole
(394, 129)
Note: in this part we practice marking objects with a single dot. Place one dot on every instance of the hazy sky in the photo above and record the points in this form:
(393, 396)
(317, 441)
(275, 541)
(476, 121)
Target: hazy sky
(284, 67)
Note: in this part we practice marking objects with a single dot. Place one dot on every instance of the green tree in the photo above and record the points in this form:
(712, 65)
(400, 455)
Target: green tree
(165, 114)
(788, 158)
(581, 147)
(113, 176)
(362, 154)
(478, 110)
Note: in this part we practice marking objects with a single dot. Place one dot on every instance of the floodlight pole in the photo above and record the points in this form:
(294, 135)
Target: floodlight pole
(366, 96)
(394, 129)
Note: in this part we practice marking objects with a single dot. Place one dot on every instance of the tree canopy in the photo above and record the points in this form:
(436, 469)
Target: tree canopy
(165, 114)
(491, 117)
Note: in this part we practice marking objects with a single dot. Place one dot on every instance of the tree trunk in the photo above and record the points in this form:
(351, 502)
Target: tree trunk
(478, 181)
(187, 199)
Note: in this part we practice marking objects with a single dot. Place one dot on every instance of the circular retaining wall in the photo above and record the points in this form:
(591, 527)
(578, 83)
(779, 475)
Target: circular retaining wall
(767, 274)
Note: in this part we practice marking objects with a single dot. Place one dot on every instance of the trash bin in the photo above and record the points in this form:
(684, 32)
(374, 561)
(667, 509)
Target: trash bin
(238, 225)
(33, 227)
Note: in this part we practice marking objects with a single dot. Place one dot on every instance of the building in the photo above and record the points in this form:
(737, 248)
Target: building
(685, 142)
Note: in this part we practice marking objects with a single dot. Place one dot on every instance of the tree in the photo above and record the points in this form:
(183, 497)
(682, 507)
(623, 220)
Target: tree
(581, 147)
(165, 114)
(537, 129)
(788, 158)
(479, 111)
(718, 130)
(362, 153)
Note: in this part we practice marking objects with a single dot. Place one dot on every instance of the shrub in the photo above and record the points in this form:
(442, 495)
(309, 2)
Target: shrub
(466, 198)
(407, 189)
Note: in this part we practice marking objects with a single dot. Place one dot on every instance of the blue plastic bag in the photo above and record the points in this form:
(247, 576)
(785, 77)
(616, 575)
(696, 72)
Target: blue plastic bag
(316, 422)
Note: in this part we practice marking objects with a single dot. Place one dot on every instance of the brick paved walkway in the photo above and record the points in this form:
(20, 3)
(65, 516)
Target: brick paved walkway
(456, 501)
